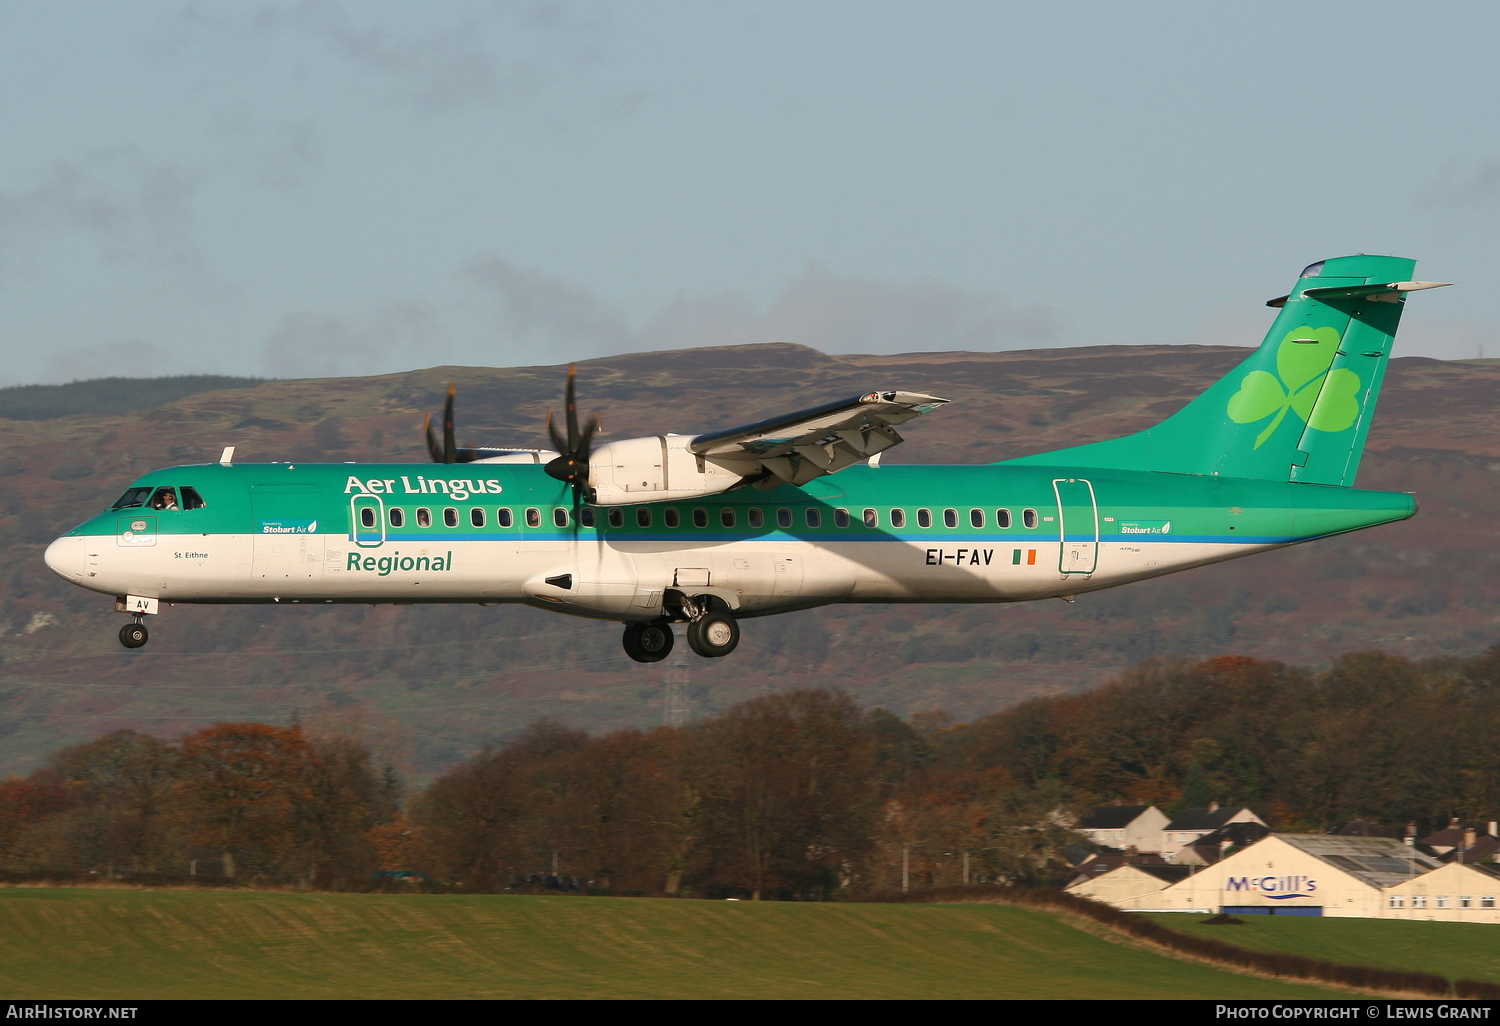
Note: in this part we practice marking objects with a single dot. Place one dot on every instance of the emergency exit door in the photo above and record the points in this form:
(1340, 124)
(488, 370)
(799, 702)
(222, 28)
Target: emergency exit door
(1077, 525)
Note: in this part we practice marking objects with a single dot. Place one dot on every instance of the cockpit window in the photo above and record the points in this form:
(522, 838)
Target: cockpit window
(1313, 270)
(132, 497)
(191, 499)
(165, 498)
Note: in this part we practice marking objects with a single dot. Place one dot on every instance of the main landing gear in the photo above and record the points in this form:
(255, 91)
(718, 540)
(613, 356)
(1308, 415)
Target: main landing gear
(134, 635)
(648, 642)
(712, 632)
(715, 633)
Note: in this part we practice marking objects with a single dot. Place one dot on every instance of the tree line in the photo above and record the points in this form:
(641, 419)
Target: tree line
(792, 795)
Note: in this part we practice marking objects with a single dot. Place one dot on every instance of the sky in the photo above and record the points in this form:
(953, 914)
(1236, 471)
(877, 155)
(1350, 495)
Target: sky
(313, 187)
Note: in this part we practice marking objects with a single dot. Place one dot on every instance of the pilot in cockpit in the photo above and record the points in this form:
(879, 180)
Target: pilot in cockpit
(165, 498)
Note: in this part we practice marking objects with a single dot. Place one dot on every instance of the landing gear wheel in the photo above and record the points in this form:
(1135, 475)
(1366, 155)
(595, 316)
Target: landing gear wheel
(648, 642)
(134, 635)
(714, 634)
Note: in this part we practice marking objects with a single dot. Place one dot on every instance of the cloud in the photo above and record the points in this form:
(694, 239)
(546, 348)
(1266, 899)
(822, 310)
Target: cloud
(132, 211)
(836, 314)
(818, 308)
(1465, 187)
(491, 52)
(537, 309)
(398, 337)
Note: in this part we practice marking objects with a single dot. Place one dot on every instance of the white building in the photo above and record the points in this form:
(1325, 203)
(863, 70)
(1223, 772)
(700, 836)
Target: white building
(1455, 893)
(1191, 825)
(1283, 874)
(1124, 826)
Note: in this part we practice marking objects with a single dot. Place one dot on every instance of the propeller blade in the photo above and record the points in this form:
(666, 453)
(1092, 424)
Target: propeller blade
(450, 448)
(572, 407)
(558, 441)
(572, 466)
(433, 447)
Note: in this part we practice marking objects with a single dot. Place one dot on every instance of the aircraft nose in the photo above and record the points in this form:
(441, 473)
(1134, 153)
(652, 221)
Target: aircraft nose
(65, 558)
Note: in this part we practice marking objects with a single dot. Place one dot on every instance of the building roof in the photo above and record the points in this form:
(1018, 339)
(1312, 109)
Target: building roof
(1359, 828)
(1096, 864)
(1378, 861)
(1235, 834)
(1484, 847)
(1203, 819)
(1166, 874)
(1111, 817)
(1211, 847)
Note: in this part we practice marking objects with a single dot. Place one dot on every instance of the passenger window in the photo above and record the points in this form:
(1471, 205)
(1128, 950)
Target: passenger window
(642, 517)
(841, 518)
(533, 517)
(924, 518)
(814, 517)
(783, 518)
(133, 497)
(700, 517)
(898, 518)
(950, 518)
(1002, 518)
(670, 517)
(1028, 517)
(976, 518)
(559, 516)
(424, 517)
(396, 517)
(586, 516)
(450, 517)
(726, 517)
(191, 499)
(502, 517)
(367, 516)
(476, 516)
(872, 519)
(165, 498)
(617, 517)
(756, 517)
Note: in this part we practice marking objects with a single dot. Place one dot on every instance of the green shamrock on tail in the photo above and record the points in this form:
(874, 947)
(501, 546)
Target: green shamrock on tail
(1302, 361)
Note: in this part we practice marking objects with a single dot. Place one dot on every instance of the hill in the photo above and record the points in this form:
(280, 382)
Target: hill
(106, 943)
(437, 683)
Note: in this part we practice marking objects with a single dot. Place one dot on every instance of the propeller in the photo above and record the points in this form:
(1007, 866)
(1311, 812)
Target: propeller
(572, 467)
(448, 451)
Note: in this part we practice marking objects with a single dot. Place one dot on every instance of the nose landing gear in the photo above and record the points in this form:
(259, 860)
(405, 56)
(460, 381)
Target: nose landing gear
(134, 635)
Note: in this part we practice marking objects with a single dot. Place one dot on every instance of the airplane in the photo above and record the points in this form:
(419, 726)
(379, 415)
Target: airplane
(789, 513)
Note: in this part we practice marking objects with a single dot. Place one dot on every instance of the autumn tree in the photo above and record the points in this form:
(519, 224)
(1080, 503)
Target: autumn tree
(789, 798)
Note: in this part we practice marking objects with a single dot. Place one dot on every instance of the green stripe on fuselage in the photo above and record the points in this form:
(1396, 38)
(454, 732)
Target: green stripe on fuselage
(1196, 508)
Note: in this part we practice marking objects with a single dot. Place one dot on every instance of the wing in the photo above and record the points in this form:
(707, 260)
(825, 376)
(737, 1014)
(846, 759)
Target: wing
(797, 447)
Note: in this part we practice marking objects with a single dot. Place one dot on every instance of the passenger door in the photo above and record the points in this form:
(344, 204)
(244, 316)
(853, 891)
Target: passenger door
(1077, 525)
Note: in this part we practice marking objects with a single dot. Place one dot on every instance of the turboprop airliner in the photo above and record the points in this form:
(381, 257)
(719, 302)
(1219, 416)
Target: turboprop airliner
(793, 512)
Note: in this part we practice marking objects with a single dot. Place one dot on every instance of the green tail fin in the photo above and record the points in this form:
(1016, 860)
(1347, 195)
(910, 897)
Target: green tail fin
(1299, 408)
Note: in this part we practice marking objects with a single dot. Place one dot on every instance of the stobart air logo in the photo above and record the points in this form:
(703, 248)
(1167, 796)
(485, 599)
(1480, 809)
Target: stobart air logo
(1302, 362)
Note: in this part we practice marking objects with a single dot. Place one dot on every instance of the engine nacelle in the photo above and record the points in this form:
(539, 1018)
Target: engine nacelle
(655, 469)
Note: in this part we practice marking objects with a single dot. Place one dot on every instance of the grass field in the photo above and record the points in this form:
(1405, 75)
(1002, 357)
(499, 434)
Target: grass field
(107, 943)
(1455, 950)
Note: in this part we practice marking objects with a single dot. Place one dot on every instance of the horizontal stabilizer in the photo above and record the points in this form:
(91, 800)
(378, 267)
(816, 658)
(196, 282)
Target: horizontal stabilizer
(1386, 291)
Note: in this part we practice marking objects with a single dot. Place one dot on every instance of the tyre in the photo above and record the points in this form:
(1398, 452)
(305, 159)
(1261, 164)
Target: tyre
(648, 642)
(714, 634)
(134, 635)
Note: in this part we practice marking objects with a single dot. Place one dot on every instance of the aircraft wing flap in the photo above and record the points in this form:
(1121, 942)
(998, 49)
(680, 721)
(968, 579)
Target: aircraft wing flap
(797, 447)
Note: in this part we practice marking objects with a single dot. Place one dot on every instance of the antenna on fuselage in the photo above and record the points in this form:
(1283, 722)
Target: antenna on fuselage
(226, 458)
